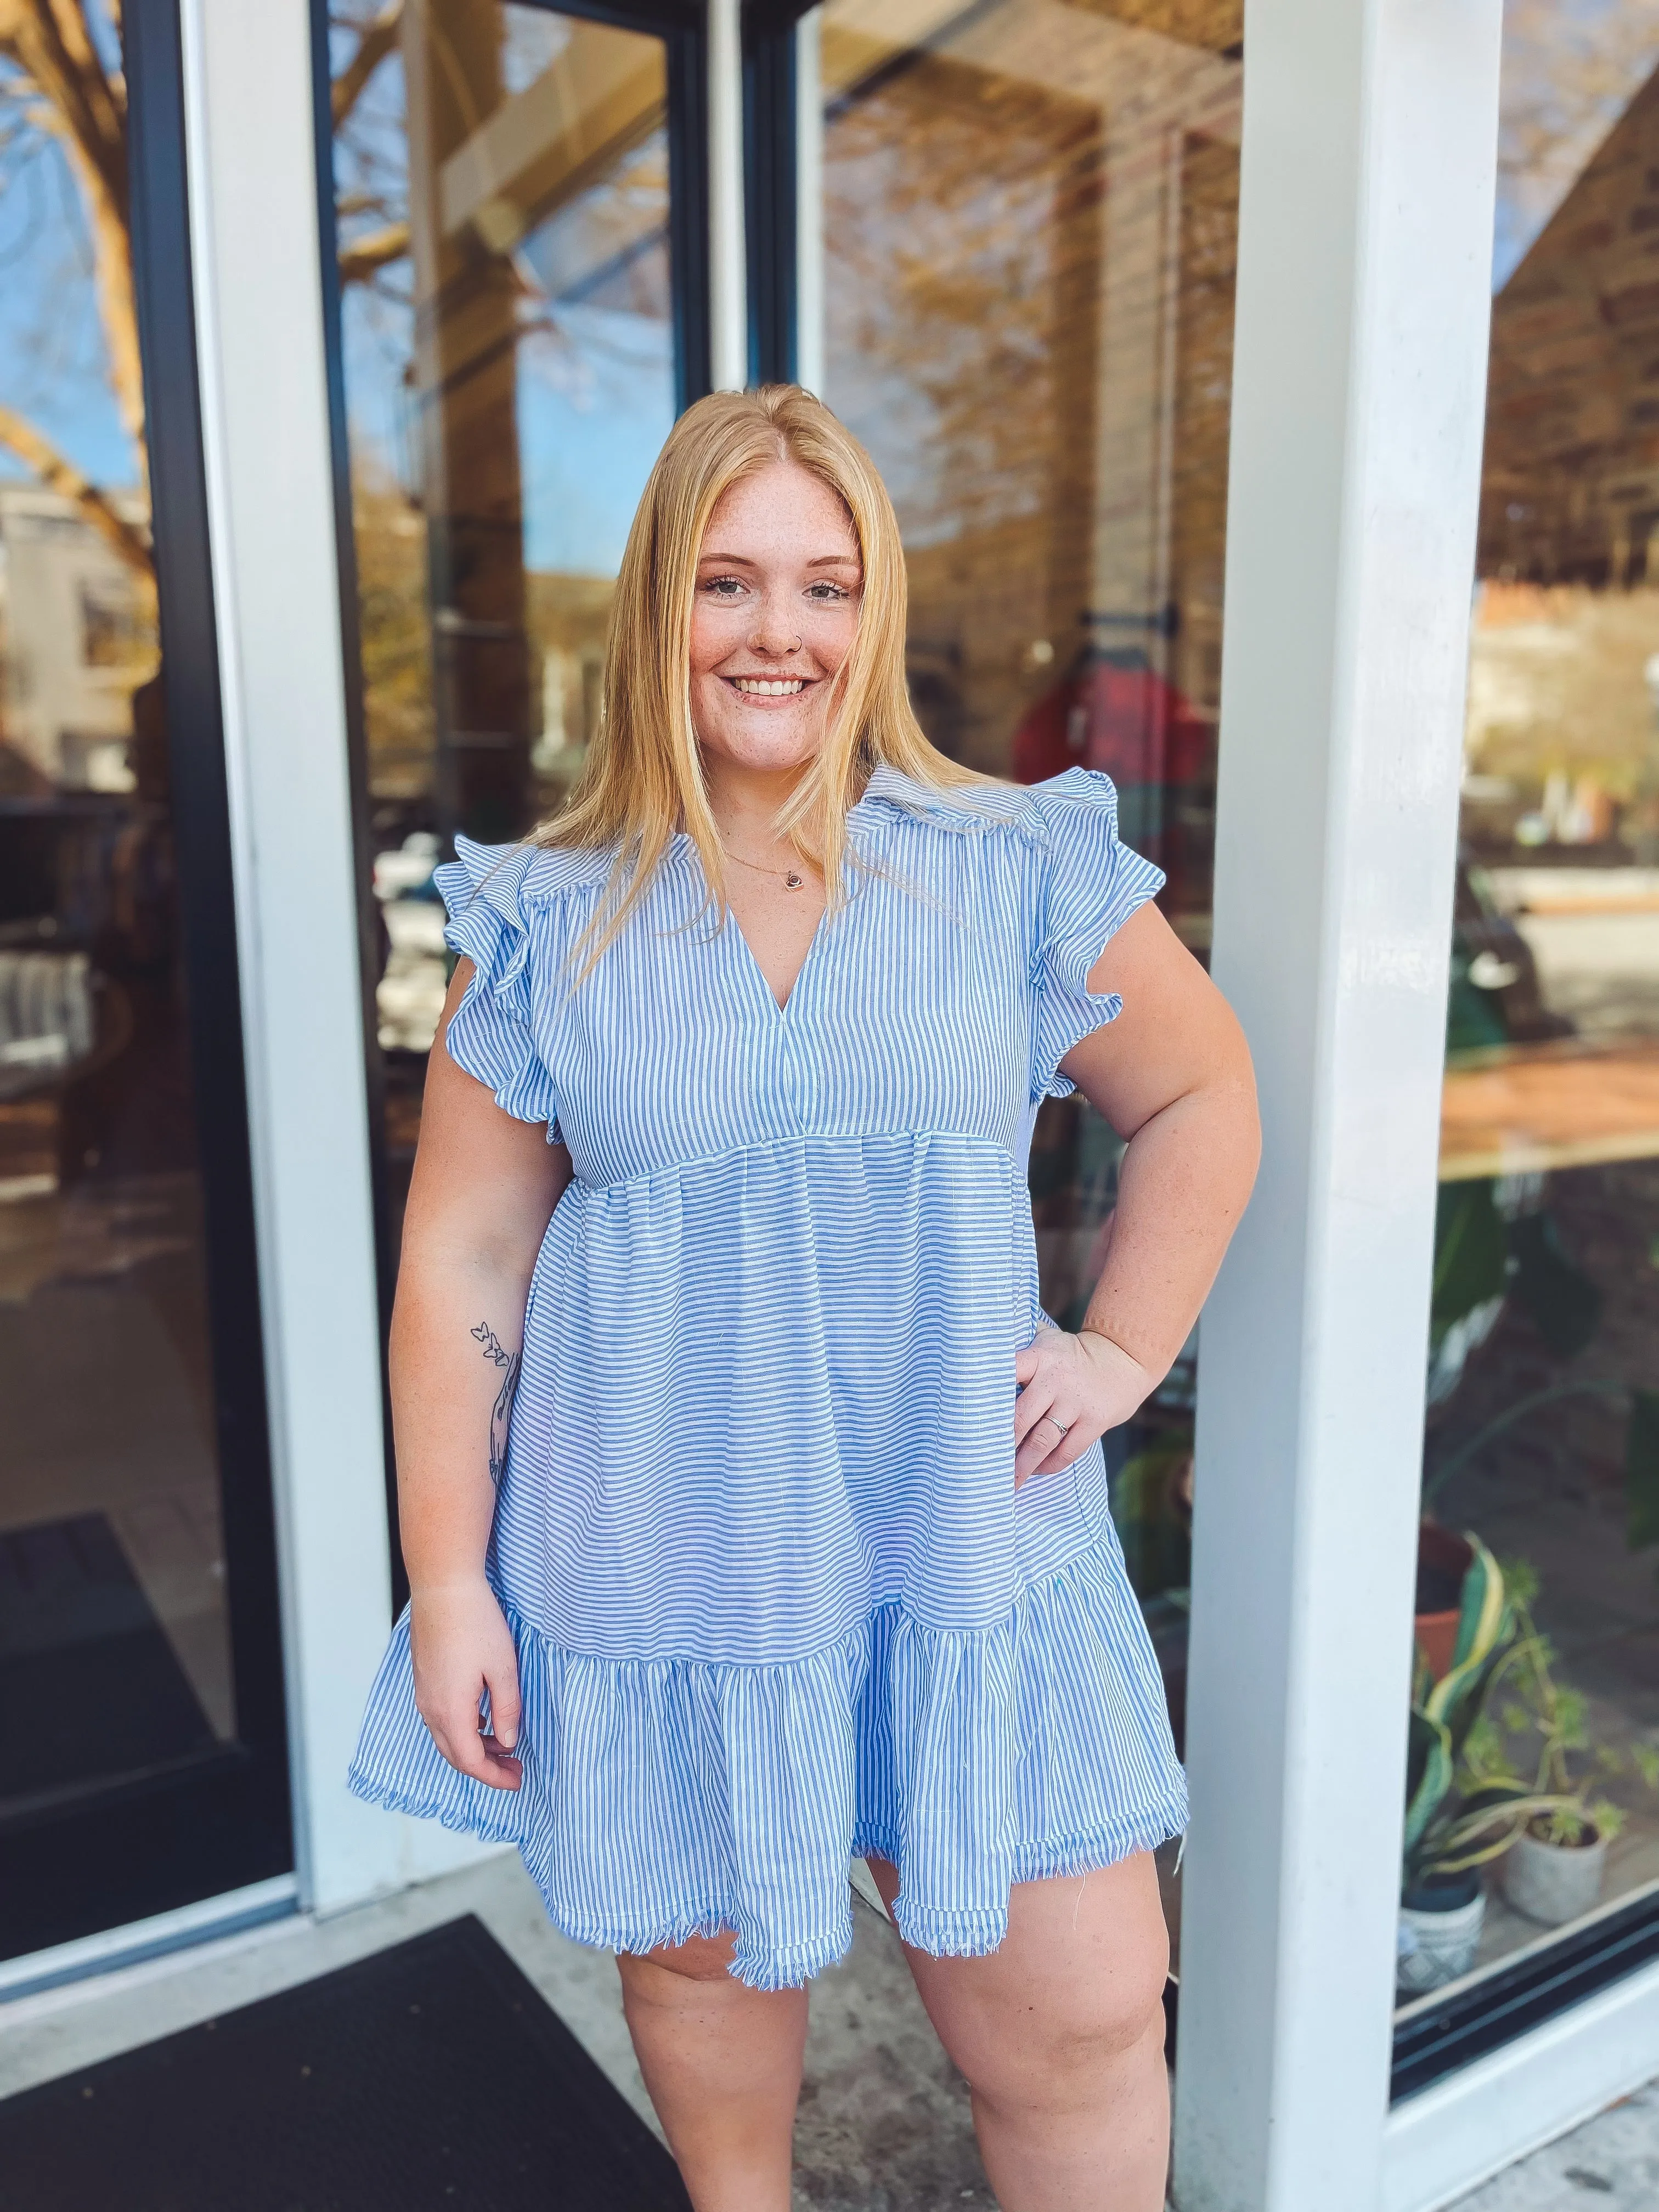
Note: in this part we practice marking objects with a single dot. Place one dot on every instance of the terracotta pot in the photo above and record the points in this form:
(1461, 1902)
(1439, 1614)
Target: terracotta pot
(1440, 1927)
(1553, 1883)
(1442, 1558)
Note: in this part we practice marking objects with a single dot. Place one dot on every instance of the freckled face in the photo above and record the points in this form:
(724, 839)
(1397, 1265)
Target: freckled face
(779, 582)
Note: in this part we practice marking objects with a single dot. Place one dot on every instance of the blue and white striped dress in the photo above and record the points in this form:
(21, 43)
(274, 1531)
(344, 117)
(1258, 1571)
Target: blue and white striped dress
(777, 1602)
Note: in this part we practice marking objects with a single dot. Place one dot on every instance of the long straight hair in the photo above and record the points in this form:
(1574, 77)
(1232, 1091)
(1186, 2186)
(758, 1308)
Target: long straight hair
(643, 780)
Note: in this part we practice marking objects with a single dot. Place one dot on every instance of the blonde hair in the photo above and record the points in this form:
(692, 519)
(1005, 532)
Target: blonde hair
(643, 778)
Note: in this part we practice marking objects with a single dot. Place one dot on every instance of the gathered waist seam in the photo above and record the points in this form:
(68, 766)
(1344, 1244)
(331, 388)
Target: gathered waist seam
(837, 1647)
(780, 1144)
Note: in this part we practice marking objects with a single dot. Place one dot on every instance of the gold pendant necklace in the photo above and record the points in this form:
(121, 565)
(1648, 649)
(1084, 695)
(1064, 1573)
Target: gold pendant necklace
(791, 878)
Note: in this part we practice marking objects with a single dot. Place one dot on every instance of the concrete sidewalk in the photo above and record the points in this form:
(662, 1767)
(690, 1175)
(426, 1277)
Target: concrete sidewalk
(884, 2123)
(1609, 2165)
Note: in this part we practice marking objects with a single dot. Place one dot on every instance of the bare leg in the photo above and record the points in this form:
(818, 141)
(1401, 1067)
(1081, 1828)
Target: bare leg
(1059, 2034)
(722, 2064)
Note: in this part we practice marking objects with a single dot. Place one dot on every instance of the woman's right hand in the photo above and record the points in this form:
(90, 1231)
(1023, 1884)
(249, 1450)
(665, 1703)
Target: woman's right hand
(462, 1648)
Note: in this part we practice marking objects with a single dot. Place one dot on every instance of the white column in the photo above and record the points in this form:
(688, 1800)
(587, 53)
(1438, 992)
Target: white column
(728, 285)
(809, 202)
(1363, 295)
(266, 434)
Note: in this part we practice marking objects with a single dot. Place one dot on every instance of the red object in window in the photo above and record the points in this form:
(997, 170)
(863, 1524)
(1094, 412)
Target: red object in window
(1123, 718)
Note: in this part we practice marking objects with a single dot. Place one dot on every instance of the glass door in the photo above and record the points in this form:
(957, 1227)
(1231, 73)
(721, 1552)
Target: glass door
(1531, 1875)
(521, 313)
(142, 1763)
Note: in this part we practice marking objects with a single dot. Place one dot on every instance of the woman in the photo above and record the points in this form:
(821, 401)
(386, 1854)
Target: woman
(799, 1546)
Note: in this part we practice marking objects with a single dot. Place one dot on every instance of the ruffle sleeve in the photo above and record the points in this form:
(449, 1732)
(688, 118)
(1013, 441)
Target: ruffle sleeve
(1092, 883)
(489, 1034)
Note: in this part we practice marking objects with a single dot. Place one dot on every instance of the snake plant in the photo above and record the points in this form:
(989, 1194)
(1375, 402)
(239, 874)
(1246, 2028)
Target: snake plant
(1442, 1714)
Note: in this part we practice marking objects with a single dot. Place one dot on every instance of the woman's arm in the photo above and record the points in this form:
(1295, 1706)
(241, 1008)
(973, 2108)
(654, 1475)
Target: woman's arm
(1172, 1074)
(484, 1189)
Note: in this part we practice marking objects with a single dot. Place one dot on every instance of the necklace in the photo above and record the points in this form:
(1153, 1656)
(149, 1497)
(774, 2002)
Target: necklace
(791, 878)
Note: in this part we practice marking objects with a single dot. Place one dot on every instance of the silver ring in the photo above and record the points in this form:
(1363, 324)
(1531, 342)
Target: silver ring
(1063, 1426)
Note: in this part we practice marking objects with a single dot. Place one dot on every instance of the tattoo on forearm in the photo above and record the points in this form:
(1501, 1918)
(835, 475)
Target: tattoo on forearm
(500, 1417)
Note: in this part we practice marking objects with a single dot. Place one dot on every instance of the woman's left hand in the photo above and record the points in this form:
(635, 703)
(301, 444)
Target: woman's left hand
(1072, 1390)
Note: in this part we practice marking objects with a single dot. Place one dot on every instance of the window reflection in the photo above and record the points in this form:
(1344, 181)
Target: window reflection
(1543, 1443)
(1030, 222)
(501, 187)
(114, 1641)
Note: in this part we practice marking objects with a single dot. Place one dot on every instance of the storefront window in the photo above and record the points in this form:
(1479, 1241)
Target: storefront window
(1535, 1731)
(116, 1669)
(1029, 234)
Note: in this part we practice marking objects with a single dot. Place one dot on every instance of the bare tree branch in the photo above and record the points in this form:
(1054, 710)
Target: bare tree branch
(347, 204)
(358, 261)
(60, 475)
(377, 41)
(49, 41)
(76, 33)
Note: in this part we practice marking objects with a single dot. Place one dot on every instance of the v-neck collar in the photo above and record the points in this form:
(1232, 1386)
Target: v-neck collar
(869, 814)
(746, 954)
(685, 850)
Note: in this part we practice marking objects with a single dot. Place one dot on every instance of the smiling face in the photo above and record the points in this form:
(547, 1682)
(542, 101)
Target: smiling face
(779, 582)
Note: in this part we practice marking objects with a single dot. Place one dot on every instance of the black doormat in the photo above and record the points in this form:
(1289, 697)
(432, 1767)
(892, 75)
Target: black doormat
(431, 2076)
(90, 1688)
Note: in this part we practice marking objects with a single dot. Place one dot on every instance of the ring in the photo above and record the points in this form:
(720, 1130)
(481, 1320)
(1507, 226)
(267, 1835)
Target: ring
(1063, 1426)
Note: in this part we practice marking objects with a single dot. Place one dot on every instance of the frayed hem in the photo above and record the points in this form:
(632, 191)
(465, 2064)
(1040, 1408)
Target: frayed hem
(454, 1817)
(957, 1911)
(756, 1969)
(946, 1934)
(951, 1934)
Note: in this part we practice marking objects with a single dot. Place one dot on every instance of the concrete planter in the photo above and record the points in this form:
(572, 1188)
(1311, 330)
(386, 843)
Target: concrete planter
(1437, 1941)
(1553, 1883)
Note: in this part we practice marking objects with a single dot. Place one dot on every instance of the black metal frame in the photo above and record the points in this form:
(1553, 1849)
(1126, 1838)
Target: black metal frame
(149, 1843)
(680, 25)
(688, 188)
(369, 934)
(770, 204)
(1466, 2023)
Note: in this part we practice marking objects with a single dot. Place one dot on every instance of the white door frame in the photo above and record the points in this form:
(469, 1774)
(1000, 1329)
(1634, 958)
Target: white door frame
(254, 243)
(1358, 402)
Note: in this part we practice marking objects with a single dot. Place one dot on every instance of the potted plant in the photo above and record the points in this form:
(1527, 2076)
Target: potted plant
(1443, 1557)
(1544, 1804)
(1442, 1904)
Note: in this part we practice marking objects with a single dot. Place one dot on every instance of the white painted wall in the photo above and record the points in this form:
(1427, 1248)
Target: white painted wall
(254, 239)
(1368, 157)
